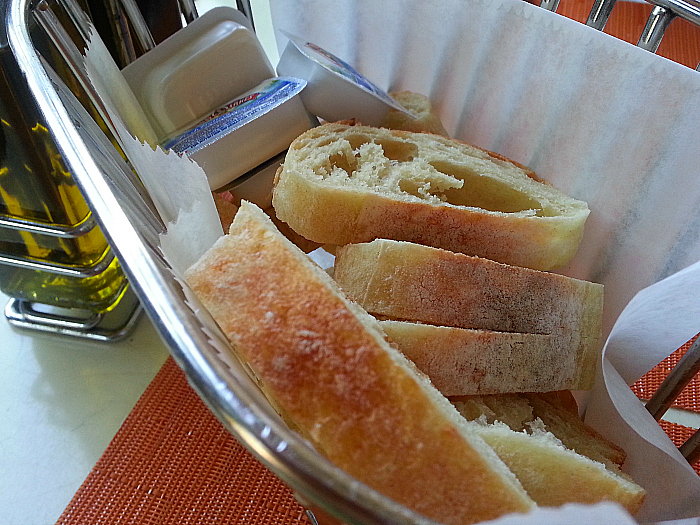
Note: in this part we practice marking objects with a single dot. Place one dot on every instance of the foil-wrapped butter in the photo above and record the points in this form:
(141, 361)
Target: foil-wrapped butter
(335, 91)
(201, 67)
(246, 132)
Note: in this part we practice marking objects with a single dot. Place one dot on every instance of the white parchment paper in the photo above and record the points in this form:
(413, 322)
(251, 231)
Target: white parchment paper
(604, 121)
(177, 185)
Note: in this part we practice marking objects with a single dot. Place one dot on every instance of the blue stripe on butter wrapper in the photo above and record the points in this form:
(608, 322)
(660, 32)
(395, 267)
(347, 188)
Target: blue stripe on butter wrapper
(237, 113)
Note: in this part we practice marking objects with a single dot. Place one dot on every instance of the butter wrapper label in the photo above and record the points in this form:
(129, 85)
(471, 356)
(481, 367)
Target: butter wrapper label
(236, 114)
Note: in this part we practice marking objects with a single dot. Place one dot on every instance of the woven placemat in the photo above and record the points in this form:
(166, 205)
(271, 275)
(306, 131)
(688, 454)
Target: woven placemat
(689, 398)
(172, 462)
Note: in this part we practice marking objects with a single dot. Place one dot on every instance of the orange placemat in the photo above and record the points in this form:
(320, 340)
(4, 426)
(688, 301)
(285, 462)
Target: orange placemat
(172, 462)
(689, 399)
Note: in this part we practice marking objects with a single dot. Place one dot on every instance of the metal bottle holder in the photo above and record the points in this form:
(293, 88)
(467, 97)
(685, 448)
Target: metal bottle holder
(124, 212)
(56, 266)
(55, 263)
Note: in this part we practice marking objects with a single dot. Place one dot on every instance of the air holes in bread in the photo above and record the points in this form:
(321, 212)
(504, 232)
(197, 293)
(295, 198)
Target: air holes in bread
(393, 149)
(484, 192)
(341, 161)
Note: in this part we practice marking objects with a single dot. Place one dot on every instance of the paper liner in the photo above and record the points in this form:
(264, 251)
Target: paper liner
(177, 185)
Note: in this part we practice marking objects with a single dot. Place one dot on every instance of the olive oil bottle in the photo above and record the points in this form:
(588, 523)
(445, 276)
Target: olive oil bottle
(52, 251)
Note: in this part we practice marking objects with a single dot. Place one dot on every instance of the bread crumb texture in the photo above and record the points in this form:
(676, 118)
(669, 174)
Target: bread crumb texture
(558, 458)
(424, 167)
(345, 184)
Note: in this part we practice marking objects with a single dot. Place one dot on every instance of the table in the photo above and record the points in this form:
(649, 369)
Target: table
(61, 402)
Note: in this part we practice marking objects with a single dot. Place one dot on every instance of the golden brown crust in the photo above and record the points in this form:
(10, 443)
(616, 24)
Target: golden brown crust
(464, 362)
(304, 244)
(562, 399)
(557, 456)
(328, 367)
(425, 119)
(573, 432)
(554, 475)
(335, 188)
(517, 410)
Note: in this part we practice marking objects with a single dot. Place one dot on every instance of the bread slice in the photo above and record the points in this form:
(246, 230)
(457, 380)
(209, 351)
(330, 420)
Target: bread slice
(343, 184)
(573, 432)
(543, 456)
(407, 281)
(327, 366)
(464, 362)
(225, 208)
(425, 119)
(520, 411)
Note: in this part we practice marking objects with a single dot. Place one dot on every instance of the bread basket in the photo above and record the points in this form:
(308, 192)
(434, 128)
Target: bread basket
(129, 220)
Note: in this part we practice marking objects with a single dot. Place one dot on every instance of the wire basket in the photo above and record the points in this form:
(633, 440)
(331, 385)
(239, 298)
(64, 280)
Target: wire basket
(127, 217)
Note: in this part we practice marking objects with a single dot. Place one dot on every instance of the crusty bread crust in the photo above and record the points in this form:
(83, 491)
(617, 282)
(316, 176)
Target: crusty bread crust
(554, 475)
(557, 457)
(425, 119)
(573, 432)
(406, 281)
(348, 184)
(327, 366)
(463, 362)
(520, 410)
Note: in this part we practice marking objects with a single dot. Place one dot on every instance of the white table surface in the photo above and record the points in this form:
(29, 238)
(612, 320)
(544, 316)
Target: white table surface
(62, 399)
(61, 402)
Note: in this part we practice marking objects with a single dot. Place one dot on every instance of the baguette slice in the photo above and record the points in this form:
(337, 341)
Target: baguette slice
(328, 368)
(406, 281)
(348, 184)
(551, 473)
(465, 362)
(425, 121)
(520, 411)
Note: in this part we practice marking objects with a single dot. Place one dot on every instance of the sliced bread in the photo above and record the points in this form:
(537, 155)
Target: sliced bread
(407, 281)
(343, 184)
(463, 362)
(425, 119)
(520, 411)
(549, 459)
(328, 368)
